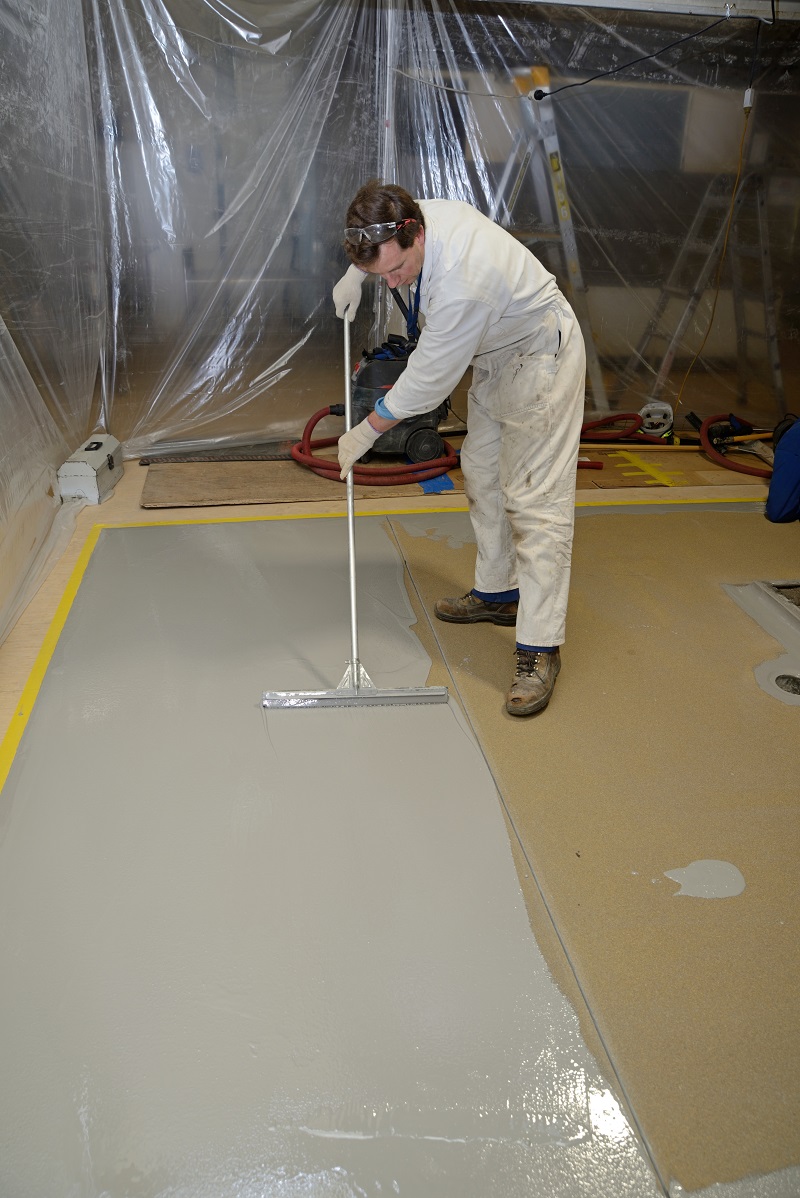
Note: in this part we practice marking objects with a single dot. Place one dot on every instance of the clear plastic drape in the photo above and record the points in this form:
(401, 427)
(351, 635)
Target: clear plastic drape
(52, 288)
(175, 174)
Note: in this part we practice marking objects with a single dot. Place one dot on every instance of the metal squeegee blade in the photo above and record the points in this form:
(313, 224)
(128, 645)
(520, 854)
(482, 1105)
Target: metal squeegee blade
(369, 696)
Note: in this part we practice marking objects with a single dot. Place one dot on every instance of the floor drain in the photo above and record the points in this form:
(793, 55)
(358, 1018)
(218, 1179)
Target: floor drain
(789, 590)
(789, 683)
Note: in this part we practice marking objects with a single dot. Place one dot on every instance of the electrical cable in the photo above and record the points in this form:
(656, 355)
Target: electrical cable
(540, 94)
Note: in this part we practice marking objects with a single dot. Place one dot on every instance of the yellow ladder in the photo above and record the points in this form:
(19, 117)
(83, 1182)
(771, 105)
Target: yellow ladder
(536, 149)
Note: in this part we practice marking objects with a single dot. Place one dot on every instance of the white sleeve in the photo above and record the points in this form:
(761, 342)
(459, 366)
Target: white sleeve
(447, 345)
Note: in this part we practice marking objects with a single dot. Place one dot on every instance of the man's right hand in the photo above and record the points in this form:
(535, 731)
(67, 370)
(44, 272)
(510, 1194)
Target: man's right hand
(347, 293)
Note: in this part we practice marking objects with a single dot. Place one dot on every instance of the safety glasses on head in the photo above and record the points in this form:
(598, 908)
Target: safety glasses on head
(375, 234)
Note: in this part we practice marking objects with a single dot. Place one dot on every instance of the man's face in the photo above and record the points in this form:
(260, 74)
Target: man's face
(396, 266)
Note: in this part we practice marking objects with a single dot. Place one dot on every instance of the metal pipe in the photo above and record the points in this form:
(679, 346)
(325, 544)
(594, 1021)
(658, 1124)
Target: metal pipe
(351, 511)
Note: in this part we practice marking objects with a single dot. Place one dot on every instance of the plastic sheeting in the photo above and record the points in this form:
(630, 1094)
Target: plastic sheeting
(175, 174)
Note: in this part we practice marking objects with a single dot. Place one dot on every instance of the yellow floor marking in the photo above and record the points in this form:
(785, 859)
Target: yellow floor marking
(16, 728)
(666, 478)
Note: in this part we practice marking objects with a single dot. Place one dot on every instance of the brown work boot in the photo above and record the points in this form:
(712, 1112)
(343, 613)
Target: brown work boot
(469, 609)
(534, 680)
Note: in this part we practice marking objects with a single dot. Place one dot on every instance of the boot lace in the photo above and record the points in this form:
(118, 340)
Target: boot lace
(530, 664)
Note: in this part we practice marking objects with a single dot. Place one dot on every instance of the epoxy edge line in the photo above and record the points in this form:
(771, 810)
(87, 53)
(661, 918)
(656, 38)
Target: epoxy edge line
(288, 516)
(662, 501)
(19, 720)
(16, 729)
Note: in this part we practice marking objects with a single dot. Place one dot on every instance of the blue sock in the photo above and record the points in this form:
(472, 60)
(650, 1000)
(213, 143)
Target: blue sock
(497, 596)
(538, 648)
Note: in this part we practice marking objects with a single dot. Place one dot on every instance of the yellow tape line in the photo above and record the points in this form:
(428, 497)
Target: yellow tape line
(20, 718)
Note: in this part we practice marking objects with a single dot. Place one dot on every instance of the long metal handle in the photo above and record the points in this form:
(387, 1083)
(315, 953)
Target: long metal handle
(351, 509)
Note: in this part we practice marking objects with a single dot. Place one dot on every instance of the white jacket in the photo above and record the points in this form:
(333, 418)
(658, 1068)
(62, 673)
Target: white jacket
(481, 290)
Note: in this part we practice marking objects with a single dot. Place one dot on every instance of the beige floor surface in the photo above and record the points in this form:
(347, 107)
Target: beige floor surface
(658, 749)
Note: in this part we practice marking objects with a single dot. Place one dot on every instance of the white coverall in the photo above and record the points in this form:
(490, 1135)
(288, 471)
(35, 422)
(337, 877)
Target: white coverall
(487, 300)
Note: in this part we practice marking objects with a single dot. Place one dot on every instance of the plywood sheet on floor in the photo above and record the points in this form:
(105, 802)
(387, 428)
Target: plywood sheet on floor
(658, 750)
(651, 467)
(282, 952)
(209, 484)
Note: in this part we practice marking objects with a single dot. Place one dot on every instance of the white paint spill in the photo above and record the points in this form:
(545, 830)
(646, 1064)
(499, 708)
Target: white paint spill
(708, 879)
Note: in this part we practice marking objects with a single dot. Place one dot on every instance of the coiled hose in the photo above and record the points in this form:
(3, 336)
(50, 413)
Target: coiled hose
(418, 472)
(720, 458)
(365, 476)
(603, 430)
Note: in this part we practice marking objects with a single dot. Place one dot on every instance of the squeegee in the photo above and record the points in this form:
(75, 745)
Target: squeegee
(356, 688)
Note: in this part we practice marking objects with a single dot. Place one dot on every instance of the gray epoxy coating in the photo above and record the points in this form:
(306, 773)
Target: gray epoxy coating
(251, 953)
(281, 953)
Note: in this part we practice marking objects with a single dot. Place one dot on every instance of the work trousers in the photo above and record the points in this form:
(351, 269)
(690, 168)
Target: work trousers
(519, 461)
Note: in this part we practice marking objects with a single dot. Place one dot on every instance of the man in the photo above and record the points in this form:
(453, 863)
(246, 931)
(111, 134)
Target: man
(486, 301)
(783, 500)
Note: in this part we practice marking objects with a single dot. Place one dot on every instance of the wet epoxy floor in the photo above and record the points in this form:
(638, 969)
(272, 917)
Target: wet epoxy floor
(256, 953)
(273, 953)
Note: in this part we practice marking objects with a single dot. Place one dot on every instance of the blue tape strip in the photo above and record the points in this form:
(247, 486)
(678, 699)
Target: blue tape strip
(433, 485)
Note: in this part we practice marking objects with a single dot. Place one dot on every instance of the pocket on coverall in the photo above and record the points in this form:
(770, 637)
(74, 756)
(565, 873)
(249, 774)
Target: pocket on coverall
(526, 379)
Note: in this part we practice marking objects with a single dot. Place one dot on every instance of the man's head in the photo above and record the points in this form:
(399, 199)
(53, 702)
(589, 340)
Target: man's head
(385, 232)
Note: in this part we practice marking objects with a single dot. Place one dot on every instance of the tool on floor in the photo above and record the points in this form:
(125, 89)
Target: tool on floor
(356, 688)
(719, 434)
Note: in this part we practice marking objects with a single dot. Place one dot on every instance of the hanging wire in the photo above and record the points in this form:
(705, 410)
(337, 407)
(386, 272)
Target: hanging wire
(540, 93)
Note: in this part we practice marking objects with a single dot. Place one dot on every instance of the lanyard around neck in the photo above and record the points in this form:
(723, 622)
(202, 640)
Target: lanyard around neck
(412, 328)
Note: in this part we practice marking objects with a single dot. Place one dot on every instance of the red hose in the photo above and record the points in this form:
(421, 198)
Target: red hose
(720, 458)
(366, 476)
(379, 476)
(600, 430)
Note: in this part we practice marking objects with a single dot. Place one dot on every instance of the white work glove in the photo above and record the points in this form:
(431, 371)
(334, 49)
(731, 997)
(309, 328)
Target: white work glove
(355, 444)
(347, 293)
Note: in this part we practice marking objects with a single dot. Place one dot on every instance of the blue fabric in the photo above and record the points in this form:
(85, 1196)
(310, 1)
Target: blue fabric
(497, 596)
(538, 648)
(432, 486)
(382, 410)
(783, 501)
(412, 327)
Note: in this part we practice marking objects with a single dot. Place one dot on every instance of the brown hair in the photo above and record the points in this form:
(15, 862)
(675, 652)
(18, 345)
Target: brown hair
(378, 203)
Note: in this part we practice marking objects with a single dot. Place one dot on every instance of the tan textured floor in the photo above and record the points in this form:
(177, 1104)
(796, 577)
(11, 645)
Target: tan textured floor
(658, 749)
